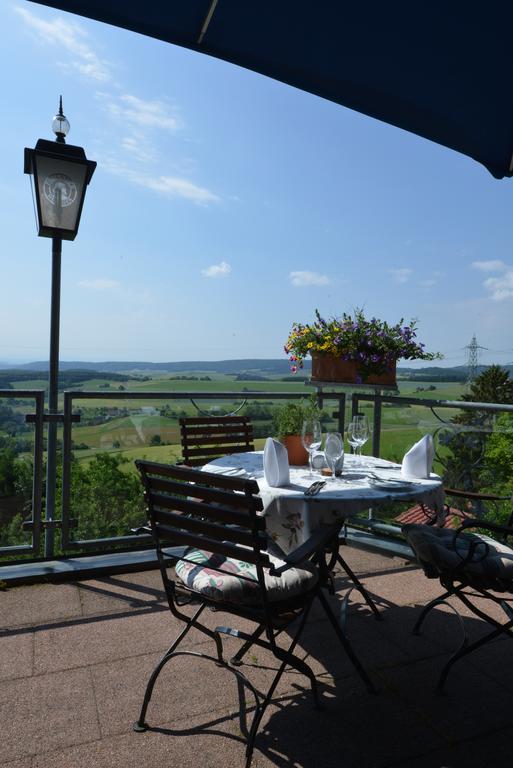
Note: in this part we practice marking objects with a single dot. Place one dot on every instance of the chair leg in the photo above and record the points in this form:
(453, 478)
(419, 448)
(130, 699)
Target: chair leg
(346, 645)
(359, 586)
(427, 608)
(468, 648)
(287, 660)
(237, 659)
(141, 725)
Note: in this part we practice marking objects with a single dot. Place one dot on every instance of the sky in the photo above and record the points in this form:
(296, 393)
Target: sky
(226, 206)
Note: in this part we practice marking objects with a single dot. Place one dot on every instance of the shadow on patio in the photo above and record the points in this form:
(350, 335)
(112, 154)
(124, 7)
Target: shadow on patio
(74, 660)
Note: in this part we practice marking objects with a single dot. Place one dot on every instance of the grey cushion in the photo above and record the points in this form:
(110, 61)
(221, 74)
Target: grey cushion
(441, 552)
(201, 576)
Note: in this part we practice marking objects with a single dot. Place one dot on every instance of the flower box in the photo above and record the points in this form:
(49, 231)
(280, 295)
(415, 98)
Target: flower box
(353, 349)
(331, 368)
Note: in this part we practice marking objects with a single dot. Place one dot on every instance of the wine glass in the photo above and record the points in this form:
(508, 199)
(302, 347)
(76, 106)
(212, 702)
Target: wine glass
(311, 437)
(361, 432)
(333, 450)
(352, 438)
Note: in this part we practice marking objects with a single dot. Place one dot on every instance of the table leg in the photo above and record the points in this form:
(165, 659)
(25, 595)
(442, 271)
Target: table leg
(359, 586)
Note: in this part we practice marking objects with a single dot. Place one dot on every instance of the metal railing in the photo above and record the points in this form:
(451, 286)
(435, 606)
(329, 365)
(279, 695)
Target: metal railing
(335, 403)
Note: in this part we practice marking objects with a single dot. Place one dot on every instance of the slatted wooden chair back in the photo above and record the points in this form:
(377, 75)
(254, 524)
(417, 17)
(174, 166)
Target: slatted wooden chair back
(205, 511)
(209, 437)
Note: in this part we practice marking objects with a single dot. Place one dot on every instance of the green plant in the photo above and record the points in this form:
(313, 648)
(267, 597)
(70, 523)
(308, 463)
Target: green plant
(288, 419)
(373, 344)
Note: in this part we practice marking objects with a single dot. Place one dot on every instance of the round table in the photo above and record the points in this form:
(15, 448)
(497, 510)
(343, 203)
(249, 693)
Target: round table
(292, 516)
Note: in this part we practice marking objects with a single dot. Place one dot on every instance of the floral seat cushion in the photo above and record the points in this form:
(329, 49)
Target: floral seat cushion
(438, 552)
(227, 585)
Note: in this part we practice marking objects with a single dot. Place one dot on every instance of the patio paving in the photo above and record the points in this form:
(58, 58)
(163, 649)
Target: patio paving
(74, 660)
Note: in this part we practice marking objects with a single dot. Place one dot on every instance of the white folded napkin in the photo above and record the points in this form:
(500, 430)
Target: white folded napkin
(276, 463)
(418, 461)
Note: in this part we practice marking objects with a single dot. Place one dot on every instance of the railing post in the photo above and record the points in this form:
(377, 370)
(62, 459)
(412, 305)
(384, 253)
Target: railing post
(376, 433)
(341, 416)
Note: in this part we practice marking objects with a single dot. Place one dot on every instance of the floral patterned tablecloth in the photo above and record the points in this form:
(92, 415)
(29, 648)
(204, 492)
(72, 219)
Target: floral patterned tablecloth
(292, 516)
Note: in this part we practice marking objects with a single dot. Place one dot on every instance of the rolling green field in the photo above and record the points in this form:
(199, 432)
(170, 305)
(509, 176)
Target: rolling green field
(138, 427)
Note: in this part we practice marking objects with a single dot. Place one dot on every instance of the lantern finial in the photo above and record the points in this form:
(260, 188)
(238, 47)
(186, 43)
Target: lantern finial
(60, 124)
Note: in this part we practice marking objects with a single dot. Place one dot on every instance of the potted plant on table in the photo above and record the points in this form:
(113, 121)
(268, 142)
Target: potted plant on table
(288, 421)
(353, 349)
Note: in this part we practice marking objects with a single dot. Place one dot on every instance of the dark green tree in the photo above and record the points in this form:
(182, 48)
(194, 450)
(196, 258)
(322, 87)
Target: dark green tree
(466, 465)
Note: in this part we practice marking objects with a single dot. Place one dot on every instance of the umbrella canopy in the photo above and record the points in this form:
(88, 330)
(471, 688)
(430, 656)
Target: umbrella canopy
(439, 69)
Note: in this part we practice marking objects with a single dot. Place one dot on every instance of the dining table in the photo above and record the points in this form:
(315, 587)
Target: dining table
(293, 513)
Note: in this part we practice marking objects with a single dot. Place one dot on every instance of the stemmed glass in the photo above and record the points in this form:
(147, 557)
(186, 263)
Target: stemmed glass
(311, 437)
(333, 450)
(359, 431)
(352, 431)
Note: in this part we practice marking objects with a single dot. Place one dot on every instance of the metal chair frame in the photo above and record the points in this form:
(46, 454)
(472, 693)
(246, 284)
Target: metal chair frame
(467, 586)
(208, 437)
(219, 514)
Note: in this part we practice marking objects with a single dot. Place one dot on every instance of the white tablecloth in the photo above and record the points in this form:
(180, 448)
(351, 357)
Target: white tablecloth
(292, 516)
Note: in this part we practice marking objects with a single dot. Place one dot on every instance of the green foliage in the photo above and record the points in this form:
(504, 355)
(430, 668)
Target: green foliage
(288, 419)
(106, 500)
(468, 465)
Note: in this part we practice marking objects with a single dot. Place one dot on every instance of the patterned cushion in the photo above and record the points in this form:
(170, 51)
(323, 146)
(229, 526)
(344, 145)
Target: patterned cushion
(439, 552)
(227, 585)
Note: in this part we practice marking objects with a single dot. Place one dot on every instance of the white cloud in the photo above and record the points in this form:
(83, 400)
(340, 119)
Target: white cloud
(401, 275)
(174, 186)
(138, 148)
(302, 279)
(99, 284)
(146, 114)
(217, 270)
(428, 283)
(71, 37)
(495, 265)
(500, 288)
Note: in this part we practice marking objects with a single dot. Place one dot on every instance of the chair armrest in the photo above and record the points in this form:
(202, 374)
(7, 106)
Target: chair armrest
(319, 539)
(474, 495)
(141, 529)
(469, 557)
(507, 530)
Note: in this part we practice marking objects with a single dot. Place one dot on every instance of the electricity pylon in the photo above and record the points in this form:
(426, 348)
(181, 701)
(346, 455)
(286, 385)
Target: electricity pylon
(472, 357)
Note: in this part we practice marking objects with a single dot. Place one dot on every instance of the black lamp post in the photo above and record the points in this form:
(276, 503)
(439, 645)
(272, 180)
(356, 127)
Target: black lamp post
(60, 174)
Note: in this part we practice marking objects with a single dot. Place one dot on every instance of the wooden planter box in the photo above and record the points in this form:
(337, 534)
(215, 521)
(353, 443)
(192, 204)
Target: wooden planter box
(332, 368)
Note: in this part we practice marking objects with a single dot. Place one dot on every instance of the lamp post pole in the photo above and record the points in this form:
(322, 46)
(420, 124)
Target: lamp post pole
(53, 394)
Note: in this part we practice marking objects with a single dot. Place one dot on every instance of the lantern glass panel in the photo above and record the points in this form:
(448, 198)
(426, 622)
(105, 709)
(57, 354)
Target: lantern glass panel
(60, 189)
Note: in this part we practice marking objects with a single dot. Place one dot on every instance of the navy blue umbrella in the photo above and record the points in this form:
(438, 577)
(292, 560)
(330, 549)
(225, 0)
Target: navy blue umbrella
(442, 69)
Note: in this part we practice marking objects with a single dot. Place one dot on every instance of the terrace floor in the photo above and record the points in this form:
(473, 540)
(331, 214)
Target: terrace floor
(74, 660)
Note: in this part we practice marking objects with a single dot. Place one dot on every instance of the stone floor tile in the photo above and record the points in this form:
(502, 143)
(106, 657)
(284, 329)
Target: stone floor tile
(25, 762)
(493, 749)
(121, 593)
(16, 655)
(186, 687)
(38, 604)
(46, 712)
(473, 703)
(101, 639)
(207, 741)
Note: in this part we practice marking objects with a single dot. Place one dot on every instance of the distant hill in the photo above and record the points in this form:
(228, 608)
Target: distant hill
(245, 367)
(216, 366)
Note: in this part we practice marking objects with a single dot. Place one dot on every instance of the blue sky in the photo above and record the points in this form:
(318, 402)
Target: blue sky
(226, 206)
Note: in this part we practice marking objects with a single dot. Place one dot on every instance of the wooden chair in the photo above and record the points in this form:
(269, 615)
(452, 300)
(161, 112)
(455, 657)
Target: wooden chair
(471, 567)
(225, 564)
(205, 438)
